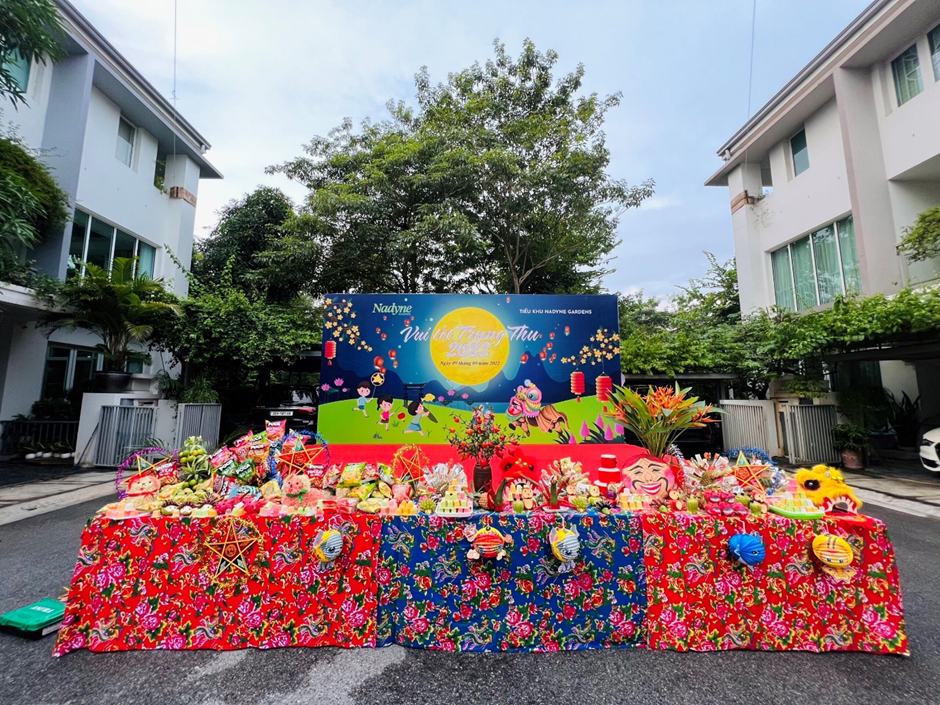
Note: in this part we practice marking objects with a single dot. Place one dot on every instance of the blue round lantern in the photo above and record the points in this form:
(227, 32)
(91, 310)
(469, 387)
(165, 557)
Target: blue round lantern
(747, 549)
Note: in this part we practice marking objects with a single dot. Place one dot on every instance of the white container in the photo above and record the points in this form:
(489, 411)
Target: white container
(30, 456)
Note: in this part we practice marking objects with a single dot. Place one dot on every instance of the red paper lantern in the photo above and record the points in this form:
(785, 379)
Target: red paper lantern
(329, 351)
(542, 355)
(392, 354)
(524, 358)
(603, 384)
(551, 335)
(378, 362)
(567, 330)
(577, 384)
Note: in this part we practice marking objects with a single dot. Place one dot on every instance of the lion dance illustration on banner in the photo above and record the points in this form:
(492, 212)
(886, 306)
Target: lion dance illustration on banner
(404, 368)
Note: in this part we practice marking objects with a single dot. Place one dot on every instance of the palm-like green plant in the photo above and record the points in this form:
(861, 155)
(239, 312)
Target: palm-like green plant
(117, 306)
(660, 416)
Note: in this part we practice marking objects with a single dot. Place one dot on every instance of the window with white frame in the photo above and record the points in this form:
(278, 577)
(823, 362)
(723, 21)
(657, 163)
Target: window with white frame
(98, 243)
(124, 151)
(934, 40)
(906, 70)
(18, 69)
(816, 268)
(800, 151)
(68, 367)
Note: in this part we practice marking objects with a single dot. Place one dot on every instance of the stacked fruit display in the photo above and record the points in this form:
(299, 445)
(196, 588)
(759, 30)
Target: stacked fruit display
(194, 461)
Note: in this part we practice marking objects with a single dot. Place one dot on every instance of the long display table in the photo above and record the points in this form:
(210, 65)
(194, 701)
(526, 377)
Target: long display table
(663, 581)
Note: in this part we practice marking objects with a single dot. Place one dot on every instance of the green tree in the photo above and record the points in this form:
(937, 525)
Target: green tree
(921, 241)
(120, 308)
(496, 182)
(29, 31)
(246, 230)
(536, 149)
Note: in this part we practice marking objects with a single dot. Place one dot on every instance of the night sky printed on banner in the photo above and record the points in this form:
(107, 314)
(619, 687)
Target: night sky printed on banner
(515, 354)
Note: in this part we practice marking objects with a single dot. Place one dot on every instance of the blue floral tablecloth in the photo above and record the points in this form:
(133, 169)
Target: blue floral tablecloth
(431, 595)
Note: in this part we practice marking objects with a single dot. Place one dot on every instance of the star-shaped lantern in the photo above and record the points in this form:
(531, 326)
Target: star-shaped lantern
(232, 542)
(408, 463)
(749, 473)
(297, 461)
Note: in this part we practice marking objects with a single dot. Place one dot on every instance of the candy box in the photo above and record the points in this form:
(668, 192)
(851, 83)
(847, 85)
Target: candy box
(34, 621)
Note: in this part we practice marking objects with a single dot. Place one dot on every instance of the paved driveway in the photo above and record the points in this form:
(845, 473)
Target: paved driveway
(37, 556)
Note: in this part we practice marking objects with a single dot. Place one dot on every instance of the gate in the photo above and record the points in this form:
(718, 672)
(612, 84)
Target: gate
(808, 429)
(749, 424)
(121, 431)
(198, 420)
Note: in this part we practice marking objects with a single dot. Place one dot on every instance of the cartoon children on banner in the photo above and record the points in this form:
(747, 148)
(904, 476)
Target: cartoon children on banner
(385, 404)
(364, 389)
(416, 410)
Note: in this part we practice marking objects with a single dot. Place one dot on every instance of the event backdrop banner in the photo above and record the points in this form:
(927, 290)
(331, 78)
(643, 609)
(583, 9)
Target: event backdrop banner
(405, 368)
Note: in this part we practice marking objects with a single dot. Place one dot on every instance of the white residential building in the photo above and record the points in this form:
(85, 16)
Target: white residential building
(130, 165)
(826, 176)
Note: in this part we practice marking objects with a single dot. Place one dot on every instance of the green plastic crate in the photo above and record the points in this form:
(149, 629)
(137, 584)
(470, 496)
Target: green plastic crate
(36, 620)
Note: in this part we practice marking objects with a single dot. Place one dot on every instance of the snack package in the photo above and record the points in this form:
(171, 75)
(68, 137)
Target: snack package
(240, 447)
(220, 457)
(400, 493)
(275, 430)
(385, 490)
(363, 491)
(241, 472)
(258, 452)
(330, 476)
(370, 472)
(270, 489)
(352, 475)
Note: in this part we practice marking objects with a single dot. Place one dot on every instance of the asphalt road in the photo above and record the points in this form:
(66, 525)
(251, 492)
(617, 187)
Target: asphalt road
(37, 556)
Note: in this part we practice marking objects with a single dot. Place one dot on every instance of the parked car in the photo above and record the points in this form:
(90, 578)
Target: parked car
(929, 445)
(297, 404)
(695, 441)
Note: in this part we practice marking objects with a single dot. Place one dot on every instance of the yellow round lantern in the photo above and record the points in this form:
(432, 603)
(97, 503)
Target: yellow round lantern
(833, 551)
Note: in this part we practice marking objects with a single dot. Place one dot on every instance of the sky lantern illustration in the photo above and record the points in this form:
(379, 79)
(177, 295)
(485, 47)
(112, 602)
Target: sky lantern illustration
(378, 362)
(524, 358)
(577, 384)
(378, 330)
(542, 355)
(603, 385)
(384, 336)
(551, 336)
(392, 354)
(567, 330)
(549, 345)
(329, 351)
(395, 364)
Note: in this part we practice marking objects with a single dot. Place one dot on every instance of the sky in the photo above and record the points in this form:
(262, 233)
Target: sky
(260, 79)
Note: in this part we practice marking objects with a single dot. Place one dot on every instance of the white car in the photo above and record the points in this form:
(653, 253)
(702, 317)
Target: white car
(928, 450)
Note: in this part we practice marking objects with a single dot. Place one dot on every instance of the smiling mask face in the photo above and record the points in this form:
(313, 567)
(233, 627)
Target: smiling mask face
(649, 476)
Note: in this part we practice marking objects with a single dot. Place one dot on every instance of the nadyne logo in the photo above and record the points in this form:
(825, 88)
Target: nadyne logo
(391, 309)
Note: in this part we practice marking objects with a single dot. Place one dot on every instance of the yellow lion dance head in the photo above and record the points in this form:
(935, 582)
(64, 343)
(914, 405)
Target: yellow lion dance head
(826, 488)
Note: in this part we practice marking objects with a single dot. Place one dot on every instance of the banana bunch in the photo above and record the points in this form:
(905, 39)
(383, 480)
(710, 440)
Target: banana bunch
(194, 461)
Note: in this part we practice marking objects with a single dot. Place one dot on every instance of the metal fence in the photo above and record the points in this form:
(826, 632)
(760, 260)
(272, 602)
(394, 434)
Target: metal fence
(808, 430)
(749, 424)
(198, 420)
(18, 437)
(121, 431)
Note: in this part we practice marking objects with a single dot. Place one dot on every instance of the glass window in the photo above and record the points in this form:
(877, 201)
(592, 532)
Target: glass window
(145, 264)
(801, 258)
(783, 278)
(86, 364)
(934, 40)
(55, 381)
(98, 250)
(77, 243)
(800, 152)
(816, 269)
(846, 230)
(906, 70)
(125, 142)
(828, 266)
(135, 367)
(124, 244)
(18, 68)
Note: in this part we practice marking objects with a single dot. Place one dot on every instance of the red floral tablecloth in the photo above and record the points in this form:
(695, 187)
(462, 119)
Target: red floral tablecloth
(700, 600)
(156, 584)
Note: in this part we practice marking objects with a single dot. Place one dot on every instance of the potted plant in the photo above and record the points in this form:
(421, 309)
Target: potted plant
(852, 442)
(117, 306)
(480, 438)
(904, 418)
(659, 417)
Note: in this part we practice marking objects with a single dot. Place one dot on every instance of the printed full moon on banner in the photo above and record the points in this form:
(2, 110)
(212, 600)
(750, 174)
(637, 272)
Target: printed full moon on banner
(469, 346)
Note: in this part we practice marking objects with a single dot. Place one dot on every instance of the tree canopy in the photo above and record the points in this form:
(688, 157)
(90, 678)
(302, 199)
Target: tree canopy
(496, 182)
(29, 31)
